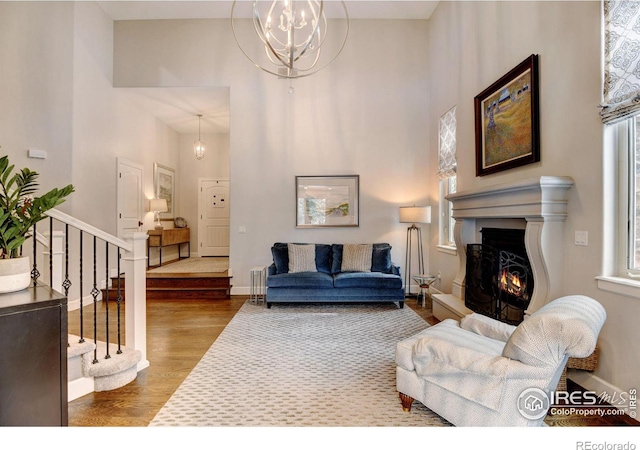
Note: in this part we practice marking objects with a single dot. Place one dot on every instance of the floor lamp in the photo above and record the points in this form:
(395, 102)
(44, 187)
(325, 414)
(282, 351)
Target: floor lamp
(414, 215)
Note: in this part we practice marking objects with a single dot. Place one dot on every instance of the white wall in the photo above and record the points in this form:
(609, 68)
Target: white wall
(472, 44)
(364, 114)
(108, 124)
(36, 69)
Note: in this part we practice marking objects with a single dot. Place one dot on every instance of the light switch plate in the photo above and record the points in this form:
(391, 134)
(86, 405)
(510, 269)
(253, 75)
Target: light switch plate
(582, 238)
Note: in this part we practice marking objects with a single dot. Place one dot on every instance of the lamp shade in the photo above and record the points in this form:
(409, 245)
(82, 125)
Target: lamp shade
(415, 214)
(158, 205)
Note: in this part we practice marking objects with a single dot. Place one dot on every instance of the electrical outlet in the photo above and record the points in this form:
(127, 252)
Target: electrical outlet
(439, 275)
(242, 229)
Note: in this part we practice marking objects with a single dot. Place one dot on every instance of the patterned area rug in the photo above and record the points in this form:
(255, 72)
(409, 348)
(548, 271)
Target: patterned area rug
(301, 366)
(194, 265)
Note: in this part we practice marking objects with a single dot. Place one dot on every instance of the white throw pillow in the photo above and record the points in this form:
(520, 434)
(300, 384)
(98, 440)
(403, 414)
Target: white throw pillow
(302, 258)
(356, 257)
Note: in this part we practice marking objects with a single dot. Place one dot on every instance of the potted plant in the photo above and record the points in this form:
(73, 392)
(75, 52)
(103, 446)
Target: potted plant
(19, 211)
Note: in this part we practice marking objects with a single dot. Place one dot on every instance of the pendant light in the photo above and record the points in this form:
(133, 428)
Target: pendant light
(198, 146)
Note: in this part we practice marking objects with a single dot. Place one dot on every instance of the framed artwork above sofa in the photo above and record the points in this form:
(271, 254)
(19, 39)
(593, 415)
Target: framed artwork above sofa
(327, 201)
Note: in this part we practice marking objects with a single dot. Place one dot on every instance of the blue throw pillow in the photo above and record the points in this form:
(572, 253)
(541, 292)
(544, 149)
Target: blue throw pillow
(323, 258)
(280, 254)
(336, 264)
(381, 258)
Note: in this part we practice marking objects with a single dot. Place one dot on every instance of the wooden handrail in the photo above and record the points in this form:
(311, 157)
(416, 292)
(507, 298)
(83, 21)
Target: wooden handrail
(83, 226)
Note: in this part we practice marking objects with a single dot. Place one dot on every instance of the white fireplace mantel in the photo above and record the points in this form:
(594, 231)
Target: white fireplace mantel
(541, 204)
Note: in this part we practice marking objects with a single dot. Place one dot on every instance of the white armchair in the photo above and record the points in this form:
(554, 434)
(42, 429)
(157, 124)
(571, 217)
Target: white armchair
(472, 372)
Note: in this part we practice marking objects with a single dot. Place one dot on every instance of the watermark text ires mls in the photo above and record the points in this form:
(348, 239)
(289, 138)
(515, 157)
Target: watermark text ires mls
(534, 403)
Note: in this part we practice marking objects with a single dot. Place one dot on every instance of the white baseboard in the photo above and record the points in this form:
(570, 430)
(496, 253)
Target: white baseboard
(79, 387)
(240, 290)
(591, 382)
(75, 304)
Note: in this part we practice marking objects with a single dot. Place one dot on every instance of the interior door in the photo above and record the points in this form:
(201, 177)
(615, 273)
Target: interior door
(213, 227)
(130, 207)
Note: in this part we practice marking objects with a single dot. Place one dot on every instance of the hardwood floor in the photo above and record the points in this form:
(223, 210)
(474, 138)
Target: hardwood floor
(179, 333)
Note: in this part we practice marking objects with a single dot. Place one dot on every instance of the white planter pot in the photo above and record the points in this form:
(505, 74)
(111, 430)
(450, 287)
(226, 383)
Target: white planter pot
(15, 274)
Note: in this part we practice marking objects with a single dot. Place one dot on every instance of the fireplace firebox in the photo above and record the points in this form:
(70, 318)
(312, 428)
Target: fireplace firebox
(499, 280)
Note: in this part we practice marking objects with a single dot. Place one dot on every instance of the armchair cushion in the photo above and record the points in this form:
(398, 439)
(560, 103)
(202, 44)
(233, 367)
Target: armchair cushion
(569, 325)
(486, 326)
(473, 374)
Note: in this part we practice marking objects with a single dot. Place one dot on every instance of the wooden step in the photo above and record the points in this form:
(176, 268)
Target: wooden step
(212, 286)
(113, 290)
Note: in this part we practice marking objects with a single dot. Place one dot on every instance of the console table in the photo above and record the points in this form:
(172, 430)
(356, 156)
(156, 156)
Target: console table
(165, 238)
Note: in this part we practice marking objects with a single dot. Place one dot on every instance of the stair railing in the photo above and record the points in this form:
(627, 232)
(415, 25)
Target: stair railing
(66, 241)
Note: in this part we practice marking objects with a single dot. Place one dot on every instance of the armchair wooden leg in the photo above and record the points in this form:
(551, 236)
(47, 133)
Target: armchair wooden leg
(406, 402)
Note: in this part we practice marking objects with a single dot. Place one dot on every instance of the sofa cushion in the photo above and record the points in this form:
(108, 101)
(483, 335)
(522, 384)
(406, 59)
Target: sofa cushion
(356, 258)
(280, 253)
(380, 258)
(375, 280)
(302, 258)
(315, 280)
(323, 258)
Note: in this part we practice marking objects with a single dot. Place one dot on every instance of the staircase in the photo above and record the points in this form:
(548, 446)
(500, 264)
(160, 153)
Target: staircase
(94, 319)
(87, 373)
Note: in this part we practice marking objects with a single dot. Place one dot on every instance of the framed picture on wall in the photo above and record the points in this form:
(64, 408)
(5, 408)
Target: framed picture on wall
(507, 120)
(327, 201)
(164, 186)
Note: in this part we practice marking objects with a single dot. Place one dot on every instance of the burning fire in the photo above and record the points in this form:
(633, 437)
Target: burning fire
(511, 283)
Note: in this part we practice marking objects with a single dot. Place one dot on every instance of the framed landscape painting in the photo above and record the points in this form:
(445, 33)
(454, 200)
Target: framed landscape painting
(164, 183)
(507, 120)
(327, 201)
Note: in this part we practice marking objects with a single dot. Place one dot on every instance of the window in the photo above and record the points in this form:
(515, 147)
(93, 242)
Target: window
(447, 222)
(447, 174)
(628, 230)
(620, 113)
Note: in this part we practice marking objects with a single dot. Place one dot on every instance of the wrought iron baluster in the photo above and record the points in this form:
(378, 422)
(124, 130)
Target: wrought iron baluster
(106, 300)
(35, 274)
(118, 303)
(50, 251)
(94, 294)
(66, 284)
(81, 290)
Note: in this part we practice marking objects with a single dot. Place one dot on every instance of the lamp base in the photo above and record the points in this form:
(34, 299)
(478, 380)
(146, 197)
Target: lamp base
(159, 227)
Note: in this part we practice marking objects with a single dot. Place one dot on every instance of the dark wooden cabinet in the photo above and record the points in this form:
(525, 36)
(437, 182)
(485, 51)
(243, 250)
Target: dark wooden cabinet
(33, 358)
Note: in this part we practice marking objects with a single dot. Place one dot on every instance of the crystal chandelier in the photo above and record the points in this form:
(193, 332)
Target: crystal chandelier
(292, 35)
(198, 146)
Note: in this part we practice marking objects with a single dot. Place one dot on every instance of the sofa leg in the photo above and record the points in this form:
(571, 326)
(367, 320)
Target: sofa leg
(268, 305)
(401, 305)
(406, 402)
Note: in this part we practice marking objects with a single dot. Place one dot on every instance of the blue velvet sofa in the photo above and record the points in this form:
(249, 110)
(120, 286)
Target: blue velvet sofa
(329, 283)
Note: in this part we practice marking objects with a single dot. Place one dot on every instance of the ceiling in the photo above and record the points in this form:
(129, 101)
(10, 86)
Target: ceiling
(221, 9)
(178, 107)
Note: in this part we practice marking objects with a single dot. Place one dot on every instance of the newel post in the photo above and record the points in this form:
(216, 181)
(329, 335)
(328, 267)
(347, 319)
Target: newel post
(135, 294)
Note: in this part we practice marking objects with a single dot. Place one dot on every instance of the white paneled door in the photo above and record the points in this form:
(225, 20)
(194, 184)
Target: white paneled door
(129, 194)
(213, 227)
